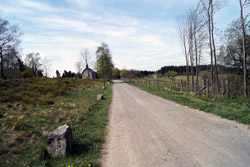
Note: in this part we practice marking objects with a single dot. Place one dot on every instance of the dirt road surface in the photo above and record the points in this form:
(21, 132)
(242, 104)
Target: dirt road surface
(148, 131)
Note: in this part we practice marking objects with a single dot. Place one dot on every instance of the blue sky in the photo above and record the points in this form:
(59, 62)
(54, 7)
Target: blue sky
(141, 33)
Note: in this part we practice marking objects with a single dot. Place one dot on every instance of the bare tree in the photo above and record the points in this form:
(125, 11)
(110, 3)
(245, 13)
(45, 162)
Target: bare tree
(191, 34)
(183, 37)
(46, 63)
(32, 60)
(244, 4)
(79, 66)
(9, 36)
(198, 37)
(214, 48)
(191, 43)
(86, 57)
(210, 7)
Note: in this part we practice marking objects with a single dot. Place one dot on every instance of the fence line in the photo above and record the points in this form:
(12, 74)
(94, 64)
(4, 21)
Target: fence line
(182, 86)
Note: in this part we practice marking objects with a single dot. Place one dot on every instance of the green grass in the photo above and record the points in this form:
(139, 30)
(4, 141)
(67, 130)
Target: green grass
(24, 127)
(237, 109)
(184, 78)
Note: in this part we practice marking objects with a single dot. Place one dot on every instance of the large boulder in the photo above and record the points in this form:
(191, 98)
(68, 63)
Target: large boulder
(59, 141)
(100, 97)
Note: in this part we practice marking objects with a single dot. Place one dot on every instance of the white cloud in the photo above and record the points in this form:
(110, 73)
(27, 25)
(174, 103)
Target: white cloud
(79, 3)
(35, 5)
(61, 32)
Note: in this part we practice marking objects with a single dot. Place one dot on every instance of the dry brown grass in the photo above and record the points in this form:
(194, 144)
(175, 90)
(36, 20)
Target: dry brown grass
(22, 124)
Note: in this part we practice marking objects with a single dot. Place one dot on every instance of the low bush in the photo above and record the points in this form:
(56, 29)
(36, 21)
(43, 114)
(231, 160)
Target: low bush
(38, 90)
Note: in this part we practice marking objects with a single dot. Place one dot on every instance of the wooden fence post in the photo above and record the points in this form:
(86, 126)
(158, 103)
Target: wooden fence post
(222, 88)
(181, 86)
(227, 95)
(207, 88)
(196, 86)
(170, 84)
(203, 84)
(158, 84)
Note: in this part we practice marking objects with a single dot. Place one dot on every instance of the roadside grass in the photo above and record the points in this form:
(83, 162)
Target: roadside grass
(237, 109)
(24, 126)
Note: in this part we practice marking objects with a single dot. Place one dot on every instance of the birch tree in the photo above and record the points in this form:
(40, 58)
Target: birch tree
(210, 7)
(182, 30)
(198, 33)
(191, 44)
(46, 65)
(243, 4)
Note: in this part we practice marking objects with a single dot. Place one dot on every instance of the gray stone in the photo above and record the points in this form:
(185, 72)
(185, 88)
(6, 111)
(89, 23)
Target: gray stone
(59, 141)
(100, 97)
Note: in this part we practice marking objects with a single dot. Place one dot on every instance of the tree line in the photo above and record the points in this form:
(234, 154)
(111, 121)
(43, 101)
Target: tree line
(182, 70)
(12, 65)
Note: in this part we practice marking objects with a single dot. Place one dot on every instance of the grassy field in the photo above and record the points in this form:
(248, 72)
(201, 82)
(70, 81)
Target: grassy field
(204, 74)
(34, 107)
(237, 109)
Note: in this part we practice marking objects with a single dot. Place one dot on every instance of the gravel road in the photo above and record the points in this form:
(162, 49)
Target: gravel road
(148, 131)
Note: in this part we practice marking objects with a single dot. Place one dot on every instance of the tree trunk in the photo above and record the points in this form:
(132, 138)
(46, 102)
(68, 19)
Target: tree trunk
(1, 55)
(191, 55)
(103, 76)
(192, 74)
(214, 48)
(196, 62)
(237, 81)
(210, 45)
(243, 48)
(187, 67)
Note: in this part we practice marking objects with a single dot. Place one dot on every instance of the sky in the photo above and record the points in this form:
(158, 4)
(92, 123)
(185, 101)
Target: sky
(141, 34)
